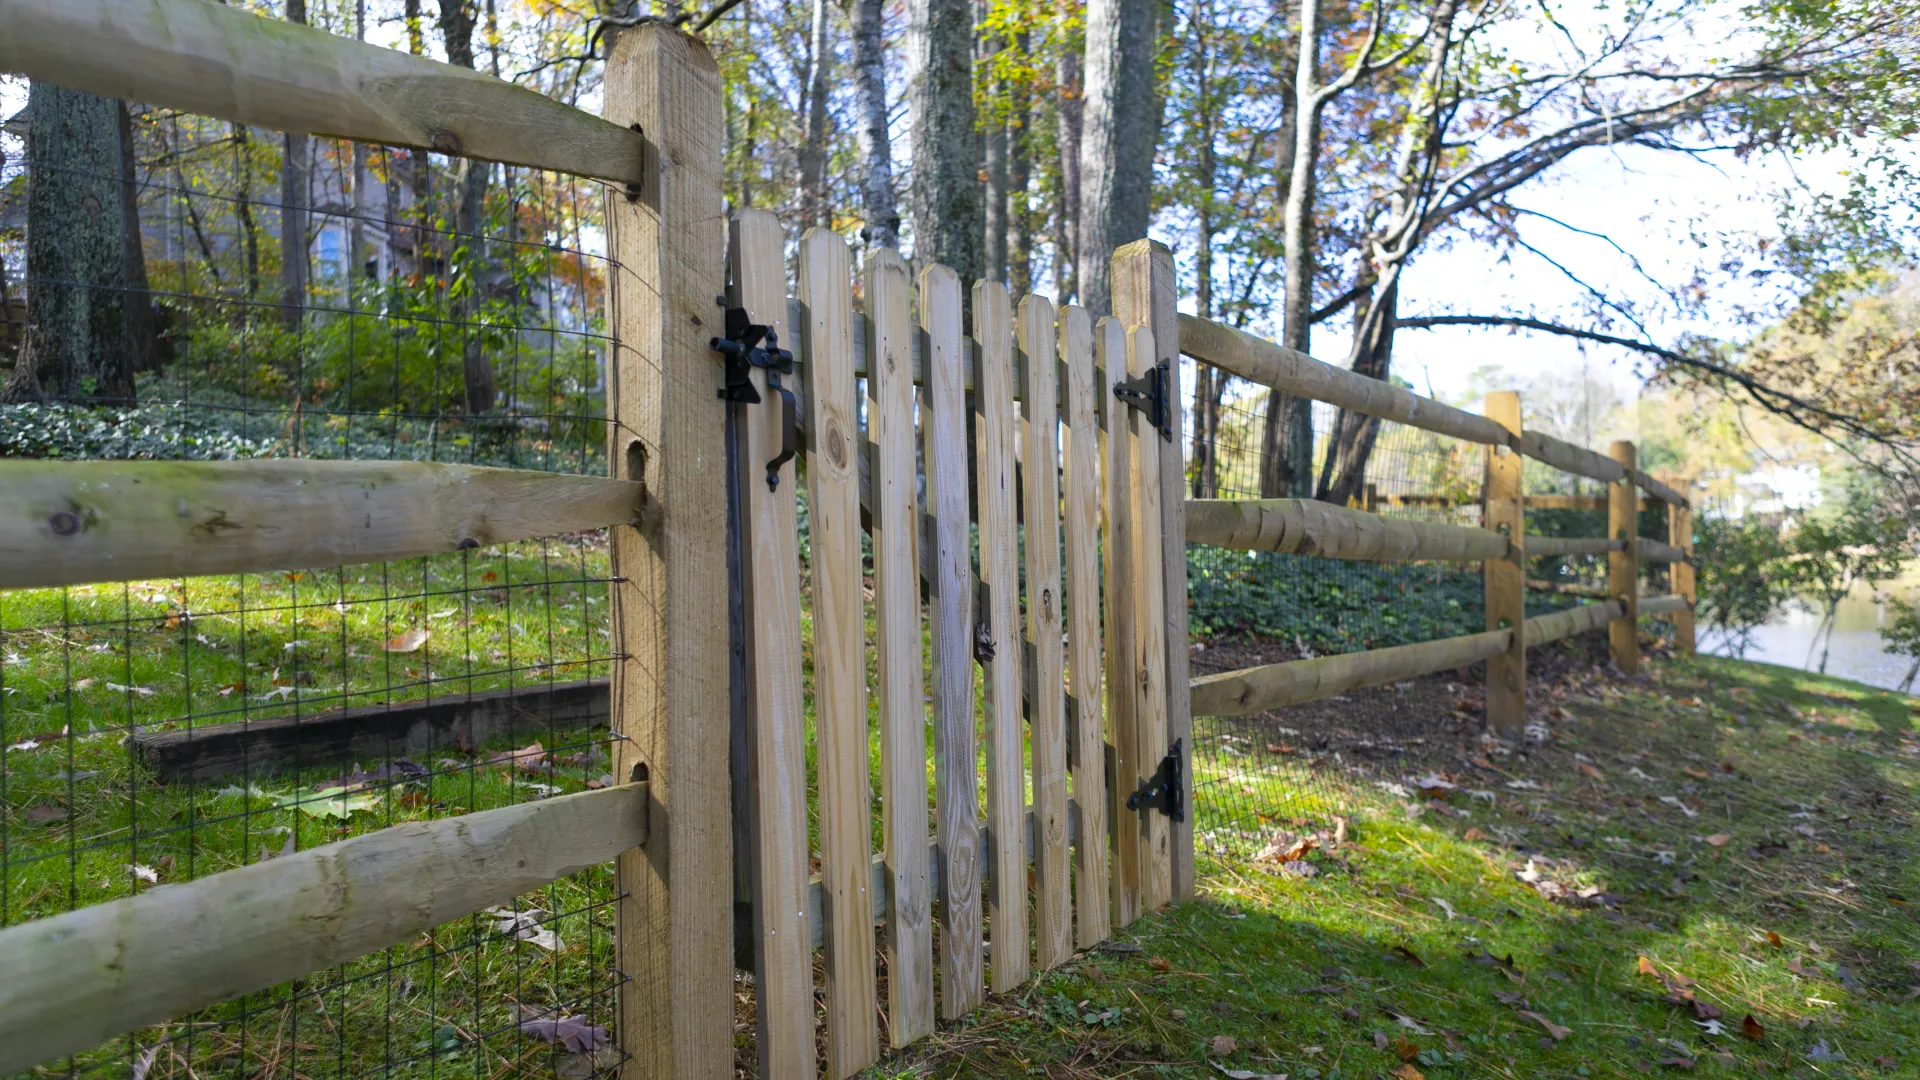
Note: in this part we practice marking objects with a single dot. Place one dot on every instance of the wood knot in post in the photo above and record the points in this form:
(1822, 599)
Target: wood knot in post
(64, 523)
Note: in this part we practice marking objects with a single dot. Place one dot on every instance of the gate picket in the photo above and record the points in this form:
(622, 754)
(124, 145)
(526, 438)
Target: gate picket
(776, 760)
(1110, 353)
(1046, 703)
(1081, 478)
(1006, 786)
(825, 290)
(896, 603)
(943, 411)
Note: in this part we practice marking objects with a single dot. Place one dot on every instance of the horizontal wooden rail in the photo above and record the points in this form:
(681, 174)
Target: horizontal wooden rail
(1286, 370)
(1658, 551)
(1662, 605)
(226, 62)
(1567, 457)
(73, 522)
(1542, 629)
(1255, 690)
(1310, 527)
(1658, 490)
(1566, 588)
(1571, 545)
(72, 981)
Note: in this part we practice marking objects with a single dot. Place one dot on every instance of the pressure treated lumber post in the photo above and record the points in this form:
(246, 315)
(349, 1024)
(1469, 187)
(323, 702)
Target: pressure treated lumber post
(1680, 535)
(1623, 565)
(674, 936)
(1506, 576)
(1145, 294)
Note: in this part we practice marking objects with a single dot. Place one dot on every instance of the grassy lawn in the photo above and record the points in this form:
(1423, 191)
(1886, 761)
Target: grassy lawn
(1712, 842)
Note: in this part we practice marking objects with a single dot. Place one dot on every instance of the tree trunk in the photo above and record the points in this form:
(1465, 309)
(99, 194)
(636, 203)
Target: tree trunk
(947, 213)
(1287, 435)
(1356, 433)
(143, 330)
(1019, 176)
(1122, 121)
(357, 230)
(813, 153)
(1906, 684)
(997, 202)
(77, 344)
(876, 151)
(295, 194)
(1068, 120)
(470, 223)
(1205, 396)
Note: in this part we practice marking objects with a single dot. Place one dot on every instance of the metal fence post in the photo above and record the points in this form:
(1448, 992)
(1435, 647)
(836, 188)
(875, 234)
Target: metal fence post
(1506, 576)
(667, 236)
(1623, 566)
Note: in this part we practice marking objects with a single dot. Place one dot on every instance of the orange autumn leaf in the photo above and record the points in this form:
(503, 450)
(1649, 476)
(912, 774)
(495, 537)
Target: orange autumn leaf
(410, 641)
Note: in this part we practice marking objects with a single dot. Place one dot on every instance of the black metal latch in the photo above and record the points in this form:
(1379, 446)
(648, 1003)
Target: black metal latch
(743, 351)
(1163, 791)
(1148, 393)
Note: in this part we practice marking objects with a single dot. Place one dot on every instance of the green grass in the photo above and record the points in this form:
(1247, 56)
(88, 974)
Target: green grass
(1361, 969)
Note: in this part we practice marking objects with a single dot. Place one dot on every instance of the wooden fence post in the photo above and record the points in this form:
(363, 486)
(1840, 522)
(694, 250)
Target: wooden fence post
(1145, 294)
(1506, 576)
(674, 935)
(1680, 535)
(1623, 566)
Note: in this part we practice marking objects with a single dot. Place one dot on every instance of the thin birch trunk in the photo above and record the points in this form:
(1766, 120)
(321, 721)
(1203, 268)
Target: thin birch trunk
(876, 149)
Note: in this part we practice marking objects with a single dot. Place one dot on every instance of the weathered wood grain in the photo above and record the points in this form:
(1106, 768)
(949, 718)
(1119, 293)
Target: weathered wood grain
(1571, 545)
(1255, 690)
(943, 410)
(1146, 293)
(1623, 565)
(1080, 458)
(1506, 573)
(72, 981)
(1297, 373)
(1680, 535)
(223, 61)
(896, 629)
(1667, 604)
(1567, 457)
(825, 288)
(1553, 626)
(1046, 703)
(1149, 637)
(1650, 550)
(674, 935)
(1312, 527)
(999, 575)
(1117, 554)
(74, 522)
(776, 709)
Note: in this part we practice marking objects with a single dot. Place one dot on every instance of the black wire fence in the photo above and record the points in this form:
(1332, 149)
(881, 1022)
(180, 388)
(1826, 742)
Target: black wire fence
(184, 288)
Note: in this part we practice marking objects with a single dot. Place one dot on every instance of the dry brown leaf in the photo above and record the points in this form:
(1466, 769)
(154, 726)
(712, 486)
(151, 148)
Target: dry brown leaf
(1559, 1033)
(1224, 1045)
(1593, 772)
(411, 641)
(1751, 1028)
(526, 759)
(1773, 939)
(44, 815)
(1406, 1049)
(1159, 963)
(1697, 774)
(1406, 1072)
(1647, 968)
(1720, 839)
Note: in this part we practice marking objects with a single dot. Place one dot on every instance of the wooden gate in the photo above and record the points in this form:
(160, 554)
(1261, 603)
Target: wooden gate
(1071, 417)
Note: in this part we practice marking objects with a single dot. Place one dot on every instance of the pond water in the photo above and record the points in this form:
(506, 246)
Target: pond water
(1857, 652)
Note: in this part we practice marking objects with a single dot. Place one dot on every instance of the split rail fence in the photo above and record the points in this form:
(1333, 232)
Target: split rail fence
(1071, 601)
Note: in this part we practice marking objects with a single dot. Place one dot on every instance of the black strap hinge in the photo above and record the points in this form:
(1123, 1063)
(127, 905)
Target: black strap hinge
(743, 351)
(1148, 393)
(1165, 790)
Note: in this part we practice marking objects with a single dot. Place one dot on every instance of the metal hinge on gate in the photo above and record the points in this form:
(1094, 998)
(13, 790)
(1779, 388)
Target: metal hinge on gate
(1148, 393)
(1164, 790)
(743, 351)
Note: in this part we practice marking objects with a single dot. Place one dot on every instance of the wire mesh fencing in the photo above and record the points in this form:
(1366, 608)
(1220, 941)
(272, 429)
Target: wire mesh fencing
(1304, 765)
(181, 288)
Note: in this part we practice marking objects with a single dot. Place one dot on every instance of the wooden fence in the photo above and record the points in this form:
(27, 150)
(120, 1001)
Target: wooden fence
(1077, 426)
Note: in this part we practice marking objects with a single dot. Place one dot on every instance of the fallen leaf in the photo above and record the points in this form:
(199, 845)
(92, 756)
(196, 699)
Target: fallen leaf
(1409, 956)
(1473, 834)
(526, 759)
(1773, 939)
(1406, 1049)
(333, 802)
(1593, 772)
(526, 926)
(1406, 1072)
(1697, 774)
(1676, 1061)
(44, 815)
(1796, 967)
(1159, 963)
(144, 1063)
(143, 691)
(1647, 968)
(411, 641)
(1285, 847)
(144, 873)
(83, 684)
(1224, 1045)
(1247, 1074)
(1559, 1033)
(1751, 1028)
(568, 1032)
(1711, 1027)
(1820, 1051)
(1720, 839)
